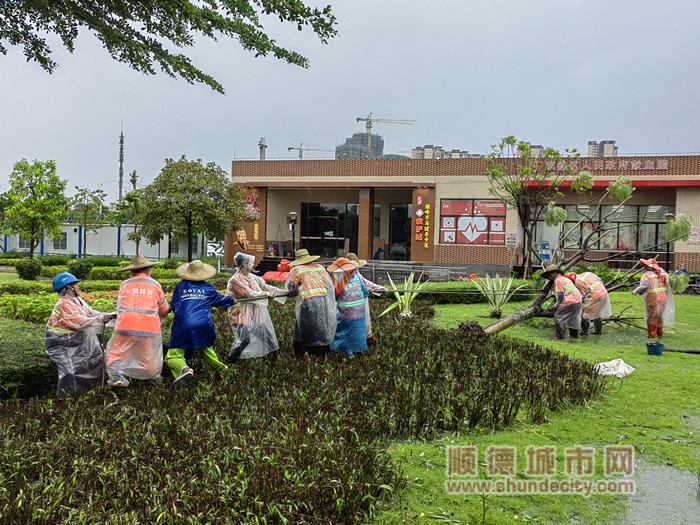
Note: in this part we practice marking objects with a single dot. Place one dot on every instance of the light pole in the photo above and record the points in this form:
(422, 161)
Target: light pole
(292, 221)
(669, 217)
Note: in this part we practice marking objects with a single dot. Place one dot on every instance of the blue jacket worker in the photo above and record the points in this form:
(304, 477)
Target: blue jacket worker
(193, 327)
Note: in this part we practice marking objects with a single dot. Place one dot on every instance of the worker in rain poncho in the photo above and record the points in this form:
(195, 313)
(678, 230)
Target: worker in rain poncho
(350, 292)
(596, 301)
(568, 306)
(72, 337)
(136, 347)
(373, 288)
(193, 327)
(250, 320)
(315, 305)
(655, 286)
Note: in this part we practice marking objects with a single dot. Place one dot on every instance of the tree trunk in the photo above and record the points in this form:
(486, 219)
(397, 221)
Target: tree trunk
(514, 318)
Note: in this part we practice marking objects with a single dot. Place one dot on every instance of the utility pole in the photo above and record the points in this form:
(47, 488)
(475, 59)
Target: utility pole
(262, 147)
(121, 161)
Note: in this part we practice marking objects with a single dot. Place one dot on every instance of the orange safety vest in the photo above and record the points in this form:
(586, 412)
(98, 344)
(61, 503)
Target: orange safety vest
(140, 305)
(656, 293)
(310, 280)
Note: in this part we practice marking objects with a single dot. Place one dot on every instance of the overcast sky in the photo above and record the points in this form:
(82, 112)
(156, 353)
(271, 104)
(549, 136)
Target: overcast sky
(553, 72)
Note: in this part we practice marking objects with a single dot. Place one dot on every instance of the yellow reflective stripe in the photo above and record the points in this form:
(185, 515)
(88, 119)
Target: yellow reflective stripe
(348, 304)
(594, 286)
(654, 290)
(306, 270)
(56, 312)
(312, 290)
(58, 330)
(569, 288)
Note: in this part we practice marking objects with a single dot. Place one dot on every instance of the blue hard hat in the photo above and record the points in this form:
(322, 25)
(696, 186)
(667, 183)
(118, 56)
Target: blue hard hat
(62, 280)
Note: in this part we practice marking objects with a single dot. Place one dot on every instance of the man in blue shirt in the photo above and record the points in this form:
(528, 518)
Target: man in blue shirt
(193, 327)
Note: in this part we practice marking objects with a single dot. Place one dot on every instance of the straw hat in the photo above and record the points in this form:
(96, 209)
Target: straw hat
(551, 268)
(353, 257)
(303, 257)
(341, 263)
(196, 271)
(138, 263)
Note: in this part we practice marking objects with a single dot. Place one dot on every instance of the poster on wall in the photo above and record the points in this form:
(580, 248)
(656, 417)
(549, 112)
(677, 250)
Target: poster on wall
(469, 221)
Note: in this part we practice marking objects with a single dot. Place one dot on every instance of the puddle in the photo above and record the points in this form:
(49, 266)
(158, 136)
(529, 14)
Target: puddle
(664, 495)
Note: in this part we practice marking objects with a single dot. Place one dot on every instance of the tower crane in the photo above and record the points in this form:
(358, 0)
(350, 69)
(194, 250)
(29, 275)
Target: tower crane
(302, 149)
(369, 120)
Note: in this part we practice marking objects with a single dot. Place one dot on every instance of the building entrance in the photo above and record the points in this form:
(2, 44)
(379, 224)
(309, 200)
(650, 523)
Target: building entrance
(329, 229)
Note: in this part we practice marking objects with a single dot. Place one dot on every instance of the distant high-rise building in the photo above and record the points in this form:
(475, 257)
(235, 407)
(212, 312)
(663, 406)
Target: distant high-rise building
(604, 148)
(430, 151)
(361, 146)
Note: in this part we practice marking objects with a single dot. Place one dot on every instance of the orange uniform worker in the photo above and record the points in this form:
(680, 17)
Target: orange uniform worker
(136, 347)
(660, 308)
(596, 301)
(568, 306)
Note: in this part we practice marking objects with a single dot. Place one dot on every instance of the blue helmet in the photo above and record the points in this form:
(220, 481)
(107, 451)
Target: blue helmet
(62, 280)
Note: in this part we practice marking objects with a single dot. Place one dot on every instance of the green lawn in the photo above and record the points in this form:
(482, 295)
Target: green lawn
(656, 409)
(8, 276)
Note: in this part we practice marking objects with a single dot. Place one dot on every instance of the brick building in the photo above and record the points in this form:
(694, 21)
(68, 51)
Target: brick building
(440, 210)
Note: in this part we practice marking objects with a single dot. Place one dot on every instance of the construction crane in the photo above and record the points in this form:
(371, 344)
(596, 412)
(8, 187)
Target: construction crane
(369, 120)
(302, 149)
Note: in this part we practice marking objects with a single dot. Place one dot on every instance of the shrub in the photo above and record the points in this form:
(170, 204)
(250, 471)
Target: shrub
(111, 261)
(107, 273)
(24, 287)
(9, 262)
(13, 255)
(28, 269)
(52, 271)
(25, 369)
(171, 264)
(33, 308)
(55, 260)
(80, 268)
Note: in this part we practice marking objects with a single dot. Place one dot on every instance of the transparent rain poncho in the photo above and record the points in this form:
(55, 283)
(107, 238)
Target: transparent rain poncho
(655, 287)
(315, 304)
(136, 347)
(72, 343)
(568, 313)
(250, 320)
(596, 300)
(376, 289)
(350, 335)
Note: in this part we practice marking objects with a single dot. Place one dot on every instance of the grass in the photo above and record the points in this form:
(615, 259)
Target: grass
(656, 409)
(8, 276)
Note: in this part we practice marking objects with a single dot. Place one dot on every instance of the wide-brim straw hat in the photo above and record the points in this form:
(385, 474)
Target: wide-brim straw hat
(138, 263)
(353, 257)
(195, 271)
(303, 257)
(341, 263)
(551, 268)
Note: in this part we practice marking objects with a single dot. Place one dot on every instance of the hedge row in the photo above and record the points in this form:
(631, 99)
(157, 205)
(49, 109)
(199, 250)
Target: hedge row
(25, 369)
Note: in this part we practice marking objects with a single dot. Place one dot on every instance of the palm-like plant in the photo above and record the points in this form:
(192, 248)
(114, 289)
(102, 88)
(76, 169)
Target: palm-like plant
(497, 293)
(404, 298)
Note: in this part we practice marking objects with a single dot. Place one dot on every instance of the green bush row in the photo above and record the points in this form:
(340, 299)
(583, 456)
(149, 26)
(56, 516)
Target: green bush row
(465, 292)
(25, 369)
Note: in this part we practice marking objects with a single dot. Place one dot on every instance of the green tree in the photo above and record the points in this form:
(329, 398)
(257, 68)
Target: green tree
(529, 183)
(188, 198)
(143, 33)
(37, 204)
(128, 211)
(86, 208)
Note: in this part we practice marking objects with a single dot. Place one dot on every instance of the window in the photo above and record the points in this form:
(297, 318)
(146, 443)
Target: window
(24, 244)
(174, 246)
(376, 224)
(471, 221)
(628, 228)
(61, 243)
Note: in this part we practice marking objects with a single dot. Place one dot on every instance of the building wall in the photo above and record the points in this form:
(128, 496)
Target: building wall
(104, 242)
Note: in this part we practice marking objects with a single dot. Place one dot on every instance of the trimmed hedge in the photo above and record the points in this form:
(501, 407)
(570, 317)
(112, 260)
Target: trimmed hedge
(470, 295)
(25, 369)
(9, 261)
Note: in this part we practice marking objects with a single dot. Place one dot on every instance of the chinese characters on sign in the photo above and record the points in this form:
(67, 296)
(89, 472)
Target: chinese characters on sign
(611, 165)
(469, 221)
(541, 469)
(422, 224)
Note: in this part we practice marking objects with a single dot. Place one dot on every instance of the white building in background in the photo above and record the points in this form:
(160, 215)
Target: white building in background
(604, 148)
(108, 240)
(437, 152)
